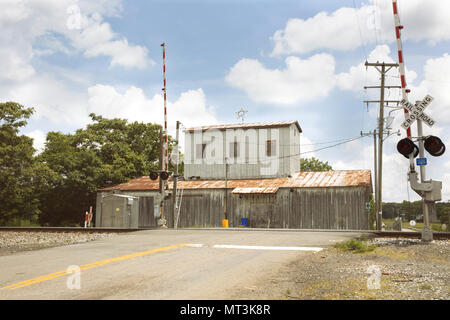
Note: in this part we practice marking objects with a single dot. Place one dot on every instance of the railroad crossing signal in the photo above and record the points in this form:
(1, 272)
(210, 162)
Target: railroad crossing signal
(164, 175)
(416, 112)
(406, 147)
(432, 144)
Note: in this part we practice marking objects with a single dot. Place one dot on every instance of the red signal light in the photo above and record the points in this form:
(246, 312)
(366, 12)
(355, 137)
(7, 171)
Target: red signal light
(434, 146)
(406, 147)
(164, 175)
(153, 176)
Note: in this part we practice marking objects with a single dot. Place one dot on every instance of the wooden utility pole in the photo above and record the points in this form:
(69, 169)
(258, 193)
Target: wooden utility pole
(385, 67)
(175, 177)
(375, 173)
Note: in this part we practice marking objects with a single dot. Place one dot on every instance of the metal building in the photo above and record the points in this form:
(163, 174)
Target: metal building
(306, 200)
(254, 150)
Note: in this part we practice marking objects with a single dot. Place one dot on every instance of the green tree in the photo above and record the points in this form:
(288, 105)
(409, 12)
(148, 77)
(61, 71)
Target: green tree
(445, 216)
(107, 150)
(313, 164)
(17, 170)
(411, 210)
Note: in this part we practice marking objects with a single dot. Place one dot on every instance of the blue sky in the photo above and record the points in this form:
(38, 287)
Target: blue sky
(280, 60)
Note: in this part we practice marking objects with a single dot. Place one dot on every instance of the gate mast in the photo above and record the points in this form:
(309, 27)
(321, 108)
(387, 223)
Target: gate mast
(401, 62)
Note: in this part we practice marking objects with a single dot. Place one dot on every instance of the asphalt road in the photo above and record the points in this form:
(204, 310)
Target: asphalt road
(157, 264)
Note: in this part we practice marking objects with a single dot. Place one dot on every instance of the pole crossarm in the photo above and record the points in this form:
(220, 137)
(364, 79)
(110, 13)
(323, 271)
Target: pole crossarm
(378, 101)
(380, 64)
(379, 87)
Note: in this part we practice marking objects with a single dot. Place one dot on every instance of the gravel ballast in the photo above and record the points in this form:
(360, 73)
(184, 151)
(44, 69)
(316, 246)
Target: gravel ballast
(406, 269)
(12, 242)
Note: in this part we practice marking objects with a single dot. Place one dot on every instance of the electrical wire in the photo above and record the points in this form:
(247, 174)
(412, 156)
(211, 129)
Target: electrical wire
(307, 152)
(360, 31)
(220, 139)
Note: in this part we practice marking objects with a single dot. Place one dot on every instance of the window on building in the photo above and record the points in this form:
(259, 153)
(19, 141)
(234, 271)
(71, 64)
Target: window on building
(200, 150)
(234, 149)
(271, 148)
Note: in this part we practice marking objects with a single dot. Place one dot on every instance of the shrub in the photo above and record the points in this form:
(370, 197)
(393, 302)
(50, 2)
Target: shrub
(357, 246)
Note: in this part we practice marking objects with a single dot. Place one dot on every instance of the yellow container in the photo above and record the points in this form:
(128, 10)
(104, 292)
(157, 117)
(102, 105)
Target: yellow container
(225, 223)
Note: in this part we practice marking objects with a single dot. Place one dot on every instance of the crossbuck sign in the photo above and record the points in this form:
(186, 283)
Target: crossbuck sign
(416, 112)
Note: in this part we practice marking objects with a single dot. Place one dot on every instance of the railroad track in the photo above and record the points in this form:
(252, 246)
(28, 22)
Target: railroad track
(409, 235)
(377, 234)
(68, 229)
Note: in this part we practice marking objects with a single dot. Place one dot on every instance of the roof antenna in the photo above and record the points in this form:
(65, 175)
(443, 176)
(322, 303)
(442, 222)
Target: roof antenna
(241, 114)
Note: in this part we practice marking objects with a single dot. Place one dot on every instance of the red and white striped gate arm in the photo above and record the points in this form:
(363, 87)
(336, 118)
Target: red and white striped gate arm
(166, 145)
(401, 62)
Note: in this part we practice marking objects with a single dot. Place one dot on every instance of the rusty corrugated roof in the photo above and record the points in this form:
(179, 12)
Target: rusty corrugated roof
(338, 178)
(248, 126)
(255, 190)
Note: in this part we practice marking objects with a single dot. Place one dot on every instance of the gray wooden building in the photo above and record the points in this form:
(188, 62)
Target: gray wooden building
(306, 200)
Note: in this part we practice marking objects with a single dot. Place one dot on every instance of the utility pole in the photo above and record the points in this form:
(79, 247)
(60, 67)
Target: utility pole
(375, 173)
(380, 148)
(385, 67)
(175, 177)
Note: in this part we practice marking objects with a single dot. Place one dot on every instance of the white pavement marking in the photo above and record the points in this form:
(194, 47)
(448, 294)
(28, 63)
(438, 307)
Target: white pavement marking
(225, 246)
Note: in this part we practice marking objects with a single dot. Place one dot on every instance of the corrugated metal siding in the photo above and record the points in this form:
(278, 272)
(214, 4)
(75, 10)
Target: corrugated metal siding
(249, 166)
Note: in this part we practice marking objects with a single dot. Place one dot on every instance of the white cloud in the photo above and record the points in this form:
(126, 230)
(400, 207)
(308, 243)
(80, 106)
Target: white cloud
(52, 100)
(302, 79)
(347, 28)
(360, 75)
(436, 82)
(336, 31)
(307, 147)
(190, 108)
(39, 138)
(96, 38)
(37, 27)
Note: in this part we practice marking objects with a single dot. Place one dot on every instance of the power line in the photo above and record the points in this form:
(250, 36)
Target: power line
(290, 145)
(306, 152)
(360, 32)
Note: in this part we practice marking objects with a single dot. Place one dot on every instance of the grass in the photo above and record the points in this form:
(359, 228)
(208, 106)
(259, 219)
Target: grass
(425, 287)
(418, 227)
(17, 222)
(355, 246)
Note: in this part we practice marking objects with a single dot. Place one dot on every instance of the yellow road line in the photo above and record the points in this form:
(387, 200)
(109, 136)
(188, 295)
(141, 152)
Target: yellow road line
(89, 266)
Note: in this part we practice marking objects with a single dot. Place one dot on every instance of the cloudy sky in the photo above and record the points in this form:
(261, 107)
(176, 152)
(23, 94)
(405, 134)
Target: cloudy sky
(280, 60)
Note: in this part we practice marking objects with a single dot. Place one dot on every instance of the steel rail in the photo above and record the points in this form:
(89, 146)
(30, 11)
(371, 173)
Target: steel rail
(70, 229)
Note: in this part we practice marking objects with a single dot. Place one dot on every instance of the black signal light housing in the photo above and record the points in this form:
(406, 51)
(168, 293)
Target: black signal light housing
(406, 147)
(153, 176)
(434, 146)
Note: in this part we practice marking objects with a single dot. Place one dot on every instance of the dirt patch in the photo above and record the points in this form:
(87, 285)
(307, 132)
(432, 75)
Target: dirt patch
(396, 269)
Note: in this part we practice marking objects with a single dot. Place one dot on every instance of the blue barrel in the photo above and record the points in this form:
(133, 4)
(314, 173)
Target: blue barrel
(244, 222)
